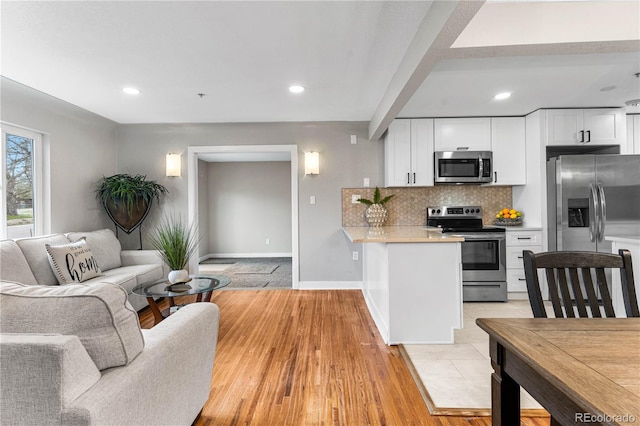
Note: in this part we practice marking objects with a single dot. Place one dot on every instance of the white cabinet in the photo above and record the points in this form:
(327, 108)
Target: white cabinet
(509, 151)
(605, 126)
(408, 153)
(517, 241)
(633, 134)
(454, 134)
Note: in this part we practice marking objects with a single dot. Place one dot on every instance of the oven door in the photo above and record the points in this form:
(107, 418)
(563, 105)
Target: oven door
(484, 257)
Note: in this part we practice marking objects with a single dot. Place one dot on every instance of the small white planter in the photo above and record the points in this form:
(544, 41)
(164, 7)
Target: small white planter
(178, 276)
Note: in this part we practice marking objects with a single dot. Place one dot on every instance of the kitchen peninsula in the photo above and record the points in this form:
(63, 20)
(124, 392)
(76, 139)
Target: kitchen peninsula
(412, 282)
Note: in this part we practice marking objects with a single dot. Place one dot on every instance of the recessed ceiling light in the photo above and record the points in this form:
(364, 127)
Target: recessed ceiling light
(501, 96)
(131, 91)
(296, 89)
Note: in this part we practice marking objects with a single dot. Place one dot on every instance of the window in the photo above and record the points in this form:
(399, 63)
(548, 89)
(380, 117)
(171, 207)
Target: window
(22, 206)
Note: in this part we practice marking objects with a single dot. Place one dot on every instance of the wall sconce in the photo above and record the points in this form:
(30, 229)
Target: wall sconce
(311, 163)
(174, 163)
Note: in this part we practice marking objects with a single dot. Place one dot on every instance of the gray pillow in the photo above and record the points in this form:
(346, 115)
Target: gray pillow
(105, 247)
(99, 314)
(38, 259)
(13, 264)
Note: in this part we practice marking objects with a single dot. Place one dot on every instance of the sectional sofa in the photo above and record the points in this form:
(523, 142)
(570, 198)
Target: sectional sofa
(74, 353)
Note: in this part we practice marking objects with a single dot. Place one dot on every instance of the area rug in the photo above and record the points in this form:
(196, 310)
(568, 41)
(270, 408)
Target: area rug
(254, 272)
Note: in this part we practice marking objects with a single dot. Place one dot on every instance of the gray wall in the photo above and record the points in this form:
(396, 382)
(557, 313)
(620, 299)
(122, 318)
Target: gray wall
(203, 194)
(325, 253)
(82, 148)
(248, 202)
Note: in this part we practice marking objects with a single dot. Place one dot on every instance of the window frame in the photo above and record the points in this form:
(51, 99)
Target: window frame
(41, 217)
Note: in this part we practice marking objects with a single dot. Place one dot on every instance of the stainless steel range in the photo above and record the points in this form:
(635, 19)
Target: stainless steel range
(484, 271)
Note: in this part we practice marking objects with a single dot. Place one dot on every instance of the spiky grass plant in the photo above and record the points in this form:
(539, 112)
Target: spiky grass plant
(376, 198)
(176, 241)
(126, 190)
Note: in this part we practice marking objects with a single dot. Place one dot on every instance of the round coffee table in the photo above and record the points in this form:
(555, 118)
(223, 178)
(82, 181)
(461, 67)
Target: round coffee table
(200, 285)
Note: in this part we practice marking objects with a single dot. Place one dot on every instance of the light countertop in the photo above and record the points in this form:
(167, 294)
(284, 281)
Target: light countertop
(398, 234)
(632, 239)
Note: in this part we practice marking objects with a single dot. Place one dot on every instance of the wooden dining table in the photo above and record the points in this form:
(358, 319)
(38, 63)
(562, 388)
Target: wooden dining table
(581, 370)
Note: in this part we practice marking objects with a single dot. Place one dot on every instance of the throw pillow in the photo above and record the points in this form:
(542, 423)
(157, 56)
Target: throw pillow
(73, 262)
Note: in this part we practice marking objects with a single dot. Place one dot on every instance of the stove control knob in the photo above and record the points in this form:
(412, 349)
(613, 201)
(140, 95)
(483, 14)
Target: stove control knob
(467, 211)
(438, 211)
(433, 211)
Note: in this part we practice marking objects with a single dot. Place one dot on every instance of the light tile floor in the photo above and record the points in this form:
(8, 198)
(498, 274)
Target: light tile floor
(458, 375)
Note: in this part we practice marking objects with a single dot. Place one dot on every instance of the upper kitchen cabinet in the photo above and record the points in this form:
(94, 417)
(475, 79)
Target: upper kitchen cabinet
(633, 134)
(454, 134)
(408, 153)
(509, 151)
(604, 126)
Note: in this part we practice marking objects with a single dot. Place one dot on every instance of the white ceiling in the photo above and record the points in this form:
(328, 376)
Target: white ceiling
(244, 54)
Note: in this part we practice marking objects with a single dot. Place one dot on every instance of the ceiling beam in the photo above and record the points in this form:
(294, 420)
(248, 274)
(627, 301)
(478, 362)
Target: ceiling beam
(442, 25)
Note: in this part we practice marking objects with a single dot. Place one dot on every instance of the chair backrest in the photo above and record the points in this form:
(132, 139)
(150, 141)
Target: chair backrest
(575, 278)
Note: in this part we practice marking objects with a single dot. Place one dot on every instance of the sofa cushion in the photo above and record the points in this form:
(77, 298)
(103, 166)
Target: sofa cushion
(99, 314)
(36, 254)
(105, 246)
(13, 264)
(73, 262)
(113, 276)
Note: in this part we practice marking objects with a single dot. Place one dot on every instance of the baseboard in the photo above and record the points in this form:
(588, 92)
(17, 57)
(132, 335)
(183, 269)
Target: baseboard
(238, 255)
(330, 285)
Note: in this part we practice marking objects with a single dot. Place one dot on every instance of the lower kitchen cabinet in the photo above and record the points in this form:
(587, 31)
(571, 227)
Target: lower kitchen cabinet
(518, 240)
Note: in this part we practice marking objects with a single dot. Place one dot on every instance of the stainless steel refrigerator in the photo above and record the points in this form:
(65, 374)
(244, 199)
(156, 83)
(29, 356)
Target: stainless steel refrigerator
(590, 197)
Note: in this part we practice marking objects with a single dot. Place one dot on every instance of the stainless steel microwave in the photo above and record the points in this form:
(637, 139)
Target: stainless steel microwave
(463, 166)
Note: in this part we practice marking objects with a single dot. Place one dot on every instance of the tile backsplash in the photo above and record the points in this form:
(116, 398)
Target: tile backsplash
(409, 205)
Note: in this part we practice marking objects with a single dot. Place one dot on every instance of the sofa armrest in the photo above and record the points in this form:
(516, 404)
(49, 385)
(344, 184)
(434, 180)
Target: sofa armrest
(169, 382)
(41, 374)
(143, 257)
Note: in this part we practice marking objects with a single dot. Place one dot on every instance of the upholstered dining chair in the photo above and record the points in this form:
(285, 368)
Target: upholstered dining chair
(575, 278)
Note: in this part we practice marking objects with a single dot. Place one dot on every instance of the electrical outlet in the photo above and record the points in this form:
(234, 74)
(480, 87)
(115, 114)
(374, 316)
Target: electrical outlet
(312, 199)
(355, 198)
(354, 255)
(367, 182)
(354, 139)
(267, 241)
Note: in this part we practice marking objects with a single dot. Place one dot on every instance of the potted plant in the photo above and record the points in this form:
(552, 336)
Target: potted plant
(127, 199)
(376, 213)
(176, 242)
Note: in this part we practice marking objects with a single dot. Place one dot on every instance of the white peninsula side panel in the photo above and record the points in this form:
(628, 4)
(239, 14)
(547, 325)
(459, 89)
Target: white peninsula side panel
(414, 290)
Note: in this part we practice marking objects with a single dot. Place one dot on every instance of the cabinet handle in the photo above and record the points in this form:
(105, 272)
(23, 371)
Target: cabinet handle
(581, 136)
(588, 135)
(522, 279)
(495, 177)
(414, 177)
(524, 238)
(462, 148)
(520, 257)
(408, 178)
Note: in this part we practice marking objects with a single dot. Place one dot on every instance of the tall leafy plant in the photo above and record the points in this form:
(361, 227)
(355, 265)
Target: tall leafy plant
(176, 241)
(377, 199)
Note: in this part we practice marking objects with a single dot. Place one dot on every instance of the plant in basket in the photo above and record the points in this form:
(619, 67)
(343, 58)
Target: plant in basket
(508, 217)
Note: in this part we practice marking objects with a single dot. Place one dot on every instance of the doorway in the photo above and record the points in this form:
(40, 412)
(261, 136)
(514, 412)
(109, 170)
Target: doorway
(246, 153)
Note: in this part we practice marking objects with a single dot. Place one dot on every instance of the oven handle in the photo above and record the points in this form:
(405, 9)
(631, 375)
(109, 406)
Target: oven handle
(481, 166)
(481, 236)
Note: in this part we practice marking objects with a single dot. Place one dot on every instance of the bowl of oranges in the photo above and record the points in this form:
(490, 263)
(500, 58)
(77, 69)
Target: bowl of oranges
(508, 217)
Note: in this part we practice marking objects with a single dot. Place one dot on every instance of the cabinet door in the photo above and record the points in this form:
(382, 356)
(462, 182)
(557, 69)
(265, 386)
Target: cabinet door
(397, 153)
(604, 126)
(453, 134)
(564, 126)
(422, 152)
(509, 151)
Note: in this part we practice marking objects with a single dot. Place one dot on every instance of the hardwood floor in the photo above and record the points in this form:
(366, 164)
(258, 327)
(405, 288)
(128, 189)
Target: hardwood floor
(290, 357)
